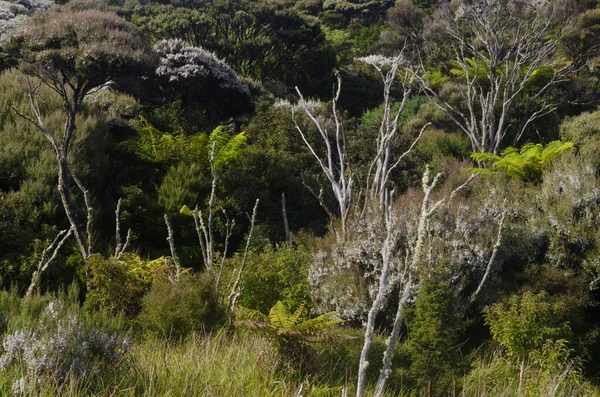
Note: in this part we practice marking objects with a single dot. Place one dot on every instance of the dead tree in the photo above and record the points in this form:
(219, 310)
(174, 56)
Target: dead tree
(286, 226)
(235, 290)
(385, 161)
(499, 47)
(204, 228)
(334, 163)
(120, 248)
(173, 274)
(408, 281)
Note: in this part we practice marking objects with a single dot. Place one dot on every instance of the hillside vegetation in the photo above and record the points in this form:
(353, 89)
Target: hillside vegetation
(299, 198)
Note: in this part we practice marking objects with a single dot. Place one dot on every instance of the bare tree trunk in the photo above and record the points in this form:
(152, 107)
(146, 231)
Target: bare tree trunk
(69, 207)
(204, 230)
(120, 248)
(388, 355)
(334, 163)
(174, 277)
(377, 303)
(286, 226)
(229, 225)
(411, 283)
(61, 148)
(521, 372)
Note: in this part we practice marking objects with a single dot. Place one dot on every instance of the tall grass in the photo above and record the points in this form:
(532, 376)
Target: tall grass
(210, 365)
(494, 375)
(201, 365)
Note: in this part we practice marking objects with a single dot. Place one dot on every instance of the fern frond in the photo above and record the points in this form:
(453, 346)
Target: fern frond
(485, 158)
(244, 313)
(280, 316)
(299, 314)
(526, 163)
(318, 324)
(219, 137)
(254, 325)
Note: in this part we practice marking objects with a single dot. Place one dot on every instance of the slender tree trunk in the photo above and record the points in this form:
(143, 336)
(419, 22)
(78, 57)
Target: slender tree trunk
(521, 372)
(375, 309)
(68, 205)
(286, 225)
(393, 339)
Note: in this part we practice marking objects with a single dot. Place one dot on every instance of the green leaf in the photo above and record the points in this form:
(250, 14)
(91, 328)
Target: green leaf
(185, 210)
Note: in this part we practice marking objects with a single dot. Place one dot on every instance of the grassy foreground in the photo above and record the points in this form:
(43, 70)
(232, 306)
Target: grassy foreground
(226, 365)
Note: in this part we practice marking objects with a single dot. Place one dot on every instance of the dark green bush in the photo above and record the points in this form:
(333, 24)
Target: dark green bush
(173, 310)
(275, 274)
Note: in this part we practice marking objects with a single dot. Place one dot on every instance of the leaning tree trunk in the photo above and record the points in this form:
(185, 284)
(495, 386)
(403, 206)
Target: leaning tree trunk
(67, 201)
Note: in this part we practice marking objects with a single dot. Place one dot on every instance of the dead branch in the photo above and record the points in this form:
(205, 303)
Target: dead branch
(120, 248)
(235, 290)
(173, 277)
(43, 263)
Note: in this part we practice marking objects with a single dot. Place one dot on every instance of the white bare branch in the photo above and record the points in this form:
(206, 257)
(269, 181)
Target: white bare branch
(43, 263)
(235, 290)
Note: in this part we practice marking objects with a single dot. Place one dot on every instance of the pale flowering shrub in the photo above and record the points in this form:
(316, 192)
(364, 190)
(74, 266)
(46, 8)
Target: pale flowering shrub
(12, 11)
(459, 242)
(180, 62)
(196, 79)
(58, 342)
(568, 208)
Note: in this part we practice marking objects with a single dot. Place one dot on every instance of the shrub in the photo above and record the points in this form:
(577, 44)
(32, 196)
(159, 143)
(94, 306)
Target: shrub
(433, 330)
(51, 339)
(175, 310)
(119, 284)
(275, 274)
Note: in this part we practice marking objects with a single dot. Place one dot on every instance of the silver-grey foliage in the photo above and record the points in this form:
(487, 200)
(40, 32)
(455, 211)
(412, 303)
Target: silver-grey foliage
(12, 11)
(179, 62)
(60, 344)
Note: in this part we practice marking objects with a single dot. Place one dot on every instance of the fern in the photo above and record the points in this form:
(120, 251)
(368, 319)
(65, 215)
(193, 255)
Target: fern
(526, 163)
(280, 316)
(286, 328)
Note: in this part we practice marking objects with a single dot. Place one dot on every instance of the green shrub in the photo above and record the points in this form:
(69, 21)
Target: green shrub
(436, 143)
(553, 374)
(581, 128)
(273, 275)
(119, 284)
(523, 323)
(173, 310)
(433, 330)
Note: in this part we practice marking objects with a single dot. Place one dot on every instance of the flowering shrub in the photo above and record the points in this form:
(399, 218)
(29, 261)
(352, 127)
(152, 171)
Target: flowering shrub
(179, 62)
(57, 343)
(345, 274)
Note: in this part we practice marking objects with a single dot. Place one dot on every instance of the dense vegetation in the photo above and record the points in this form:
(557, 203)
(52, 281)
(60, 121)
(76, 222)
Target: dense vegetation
(277, 197)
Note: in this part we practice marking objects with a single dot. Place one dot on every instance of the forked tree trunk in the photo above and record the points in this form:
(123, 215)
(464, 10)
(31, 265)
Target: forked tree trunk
(69, 207)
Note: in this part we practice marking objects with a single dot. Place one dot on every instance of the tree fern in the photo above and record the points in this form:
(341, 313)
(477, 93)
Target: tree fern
(287, 328)
(526, 163)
